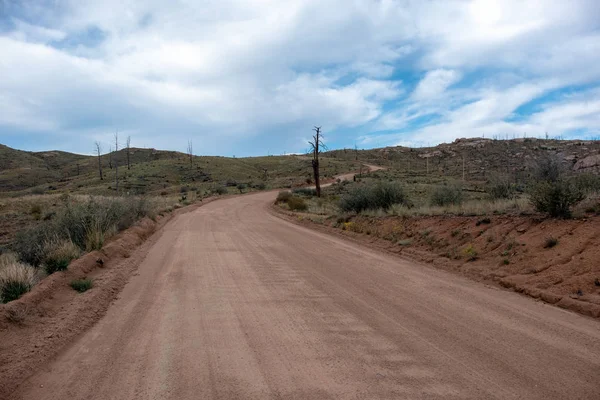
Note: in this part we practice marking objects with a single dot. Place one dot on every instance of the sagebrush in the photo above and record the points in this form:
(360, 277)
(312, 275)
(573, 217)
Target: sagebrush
(372, 197)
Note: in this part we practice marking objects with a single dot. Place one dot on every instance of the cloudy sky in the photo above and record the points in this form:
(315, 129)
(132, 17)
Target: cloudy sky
(250, 77)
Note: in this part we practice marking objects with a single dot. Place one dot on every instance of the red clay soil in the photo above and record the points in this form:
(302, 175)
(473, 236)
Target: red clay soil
(231, 302)
(509, 251)
(34, 328)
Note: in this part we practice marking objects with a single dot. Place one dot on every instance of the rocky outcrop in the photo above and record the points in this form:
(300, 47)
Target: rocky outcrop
(589, 163)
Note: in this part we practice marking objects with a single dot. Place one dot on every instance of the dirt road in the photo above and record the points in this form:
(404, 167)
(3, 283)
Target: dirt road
(234, 303)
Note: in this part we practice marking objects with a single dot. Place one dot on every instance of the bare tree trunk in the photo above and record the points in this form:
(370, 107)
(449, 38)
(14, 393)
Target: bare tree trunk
(99, 151)
(190, 152)
(116, 162)
(110, 157)
(315, 144)
(128, 144)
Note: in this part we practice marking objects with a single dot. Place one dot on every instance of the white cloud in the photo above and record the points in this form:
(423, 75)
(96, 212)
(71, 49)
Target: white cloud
(33, 33)
(263, 69)
(435, 83)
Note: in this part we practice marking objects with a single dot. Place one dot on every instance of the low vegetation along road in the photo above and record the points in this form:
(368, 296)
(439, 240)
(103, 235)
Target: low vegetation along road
(232, 302)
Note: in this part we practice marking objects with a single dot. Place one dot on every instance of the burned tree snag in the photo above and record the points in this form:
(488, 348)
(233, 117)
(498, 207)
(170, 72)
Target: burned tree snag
(316, 144)
(99, 152)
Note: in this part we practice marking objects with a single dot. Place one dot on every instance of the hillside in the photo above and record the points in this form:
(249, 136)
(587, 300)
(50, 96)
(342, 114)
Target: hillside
(479, 158)
(155, 171)
(152, 171)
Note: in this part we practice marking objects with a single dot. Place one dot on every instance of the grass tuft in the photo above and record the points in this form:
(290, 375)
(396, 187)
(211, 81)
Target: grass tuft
(16, 278)
(59, 254)
(82, 285)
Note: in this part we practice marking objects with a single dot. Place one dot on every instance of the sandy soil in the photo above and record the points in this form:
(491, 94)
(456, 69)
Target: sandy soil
(231, 302)
(508, 250)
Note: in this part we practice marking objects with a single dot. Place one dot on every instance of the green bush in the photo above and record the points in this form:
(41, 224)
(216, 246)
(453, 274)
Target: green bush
(84, 224)
(36, 211)
(296, 204)
(220, 190)
(379, 196)
(283, 196)
(29, 244)
(588, 183)
(555, 198)
(446, 195)
(502, 189)
(549, 169)
(82, 285)
(309, 192)
(241, 187)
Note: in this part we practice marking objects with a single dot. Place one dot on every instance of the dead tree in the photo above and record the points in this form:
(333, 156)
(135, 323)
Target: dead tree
(128, 146)
(110, 157)
(99, 151)
(116, 161)
(190, 152)
(355, 152)
(315, 144)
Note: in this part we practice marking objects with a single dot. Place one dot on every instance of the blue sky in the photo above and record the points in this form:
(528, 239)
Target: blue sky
(253, 77)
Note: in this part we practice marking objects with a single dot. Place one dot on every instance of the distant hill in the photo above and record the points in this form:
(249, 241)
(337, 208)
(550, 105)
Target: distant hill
(156, 171)
(152, 171)
(482, 158)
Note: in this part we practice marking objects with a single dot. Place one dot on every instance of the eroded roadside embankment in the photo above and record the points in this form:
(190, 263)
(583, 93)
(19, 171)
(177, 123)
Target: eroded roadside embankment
(510, 251)
(34, 328)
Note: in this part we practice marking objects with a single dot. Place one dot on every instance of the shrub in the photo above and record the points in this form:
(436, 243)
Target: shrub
(470, 253)
(549, 169)
(588, 183)
(379, 196)
(16, 279)
(260, 186)
(296, 204)
(38, 190)
(309, 192)
(220, 190)
(59, 254)
(17, 314)
(550, 242)
(85, 224)
(555, 198)
(502, 189)
(82, 285)
(241, 187)
(446, 195)
(36, 211)
(29, 244)
(283, 196)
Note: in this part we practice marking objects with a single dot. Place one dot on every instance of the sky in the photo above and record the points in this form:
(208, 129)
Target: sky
(253, 77)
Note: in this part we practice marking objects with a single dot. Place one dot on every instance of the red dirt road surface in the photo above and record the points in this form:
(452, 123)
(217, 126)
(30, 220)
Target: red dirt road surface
(232, 302)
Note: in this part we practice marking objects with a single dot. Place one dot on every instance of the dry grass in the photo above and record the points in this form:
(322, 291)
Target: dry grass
(477, 207)
(59, 253)
(16, 278)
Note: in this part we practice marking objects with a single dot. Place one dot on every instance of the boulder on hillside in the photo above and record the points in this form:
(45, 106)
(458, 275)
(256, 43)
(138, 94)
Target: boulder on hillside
(588, 163)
